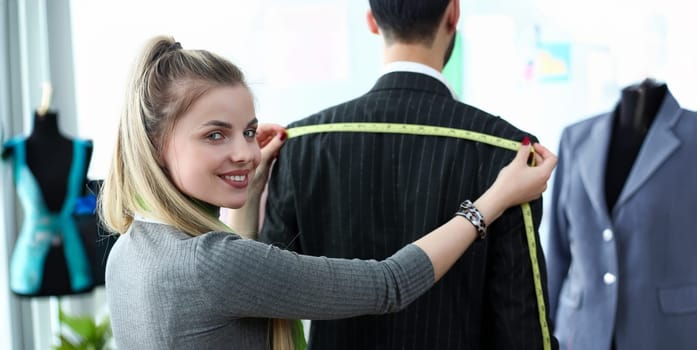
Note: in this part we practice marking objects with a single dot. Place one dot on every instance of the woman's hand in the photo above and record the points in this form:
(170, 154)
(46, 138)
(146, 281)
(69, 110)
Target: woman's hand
(270, 138)
(523, 183)
(519, 182)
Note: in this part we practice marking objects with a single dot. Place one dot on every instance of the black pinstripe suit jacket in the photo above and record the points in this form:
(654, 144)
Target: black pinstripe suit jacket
(361, 195)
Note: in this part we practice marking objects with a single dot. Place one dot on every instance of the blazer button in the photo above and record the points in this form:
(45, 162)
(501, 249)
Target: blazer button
(607, 235)
(609, 278)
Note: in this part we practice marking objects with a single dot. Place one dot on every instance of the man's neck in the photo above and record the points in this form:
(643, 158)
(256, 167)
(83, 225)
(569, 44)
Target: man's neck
(413, 53)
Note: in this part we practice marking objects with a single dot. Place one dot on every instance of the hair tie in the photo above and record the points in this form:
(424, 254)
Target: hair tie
(175, 46)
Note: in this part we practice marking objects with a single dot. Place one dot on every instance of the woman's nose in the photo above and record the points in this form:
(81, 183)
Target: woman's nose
(243, 151)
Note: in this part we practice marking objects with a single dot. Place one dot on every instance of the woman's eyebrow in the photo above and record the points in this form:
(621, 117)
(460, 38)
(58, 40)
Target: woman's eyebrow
(218, 123)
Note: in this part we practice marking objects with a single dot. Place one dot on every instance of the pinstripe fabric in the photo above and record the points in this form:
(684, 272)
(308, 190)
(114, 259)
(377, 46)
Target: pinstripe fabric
(359, 195)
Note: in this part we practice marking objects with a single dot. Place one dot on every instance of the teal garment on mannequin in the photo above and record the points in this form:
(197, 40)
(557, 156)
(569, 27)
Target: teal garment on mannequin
(42, 229)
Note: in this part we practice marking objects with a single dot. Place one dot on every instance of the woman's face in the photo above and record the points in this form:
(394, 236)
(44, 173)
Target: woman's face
(212, 152)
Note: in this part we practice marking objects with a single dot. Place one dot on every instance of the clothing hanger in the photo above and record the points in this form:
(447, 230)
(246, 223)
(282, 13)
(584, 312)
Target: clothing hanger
(46, 93)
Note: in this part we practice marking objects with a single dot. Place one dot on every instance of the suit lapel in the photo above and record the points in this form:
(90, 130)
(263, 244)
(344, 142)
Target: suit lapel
(592, 156)
(659, 144)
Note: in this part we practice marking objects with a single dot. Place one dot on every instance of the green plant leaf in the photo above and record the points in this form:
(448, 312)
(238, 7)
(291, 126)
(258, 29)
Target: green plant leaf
(86, 333)
(84, 326)
(66, 344)
(103, 333)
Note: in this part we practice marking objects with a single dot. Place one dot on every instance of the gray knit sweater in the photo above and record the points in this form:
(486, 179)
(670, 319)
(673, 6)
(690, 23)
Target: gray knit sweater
(168, 290)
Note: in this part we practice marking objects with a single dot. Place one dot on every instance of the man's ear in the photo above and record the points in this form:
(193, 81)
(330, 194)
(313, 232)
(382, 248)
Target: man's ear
(453, 15)
(372, 24)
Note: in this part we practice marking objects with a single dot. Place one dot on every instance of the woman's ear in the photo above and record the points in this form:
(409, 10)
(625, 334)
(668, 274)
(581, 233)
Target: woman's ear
(372, 24)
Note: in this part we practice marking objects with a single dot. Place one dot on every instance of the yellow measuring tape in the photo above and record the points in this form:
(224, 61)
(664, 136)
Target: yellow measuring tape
(431, 130)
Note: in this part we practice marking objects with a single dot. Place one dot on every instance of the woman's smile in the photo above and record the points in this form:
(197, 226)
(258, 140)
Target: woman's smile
(237, 179)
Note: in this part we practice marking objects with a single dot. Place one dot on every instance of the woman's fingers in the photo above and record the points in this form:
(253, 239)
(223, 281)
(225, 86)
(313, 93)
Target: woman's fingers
(266, 132)
(270, 138)
(523, 153)
(533, 179)
(538, 158)
(272, 145)
(548, 160)
(544, 152)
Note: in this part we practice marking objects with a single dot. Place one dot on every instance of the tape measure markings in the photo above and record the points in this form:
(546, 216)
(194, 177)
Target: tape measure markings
(532, 249)
(409, 129)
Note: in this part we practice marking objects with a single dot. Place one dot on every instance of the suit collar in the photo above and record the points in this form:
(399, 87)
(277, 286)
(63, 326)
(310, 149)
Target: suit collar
(416, 67)
(659, 144)
(411, 81)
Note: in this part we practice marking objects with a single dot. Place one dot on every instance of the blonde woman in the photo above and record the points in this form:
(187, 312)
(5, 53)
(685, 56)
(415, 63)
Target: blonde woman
(188, 144)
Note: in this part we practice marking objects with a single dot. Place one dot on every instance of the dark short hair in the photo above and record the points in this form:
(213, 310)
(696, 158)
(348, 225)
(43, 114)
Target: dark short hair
(408, 21)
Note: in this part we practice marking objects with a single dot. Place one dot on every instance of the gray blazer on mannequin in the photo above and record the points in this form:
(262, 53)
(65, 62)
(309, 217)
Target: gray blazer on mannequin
(631, 273)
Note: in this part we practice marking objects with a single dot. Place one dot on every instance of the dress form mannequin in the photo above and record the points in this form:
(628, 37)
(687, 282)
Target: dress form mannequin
(49, 155)
(633, 116)
(625, 279)
(49, 257)
(52, 169)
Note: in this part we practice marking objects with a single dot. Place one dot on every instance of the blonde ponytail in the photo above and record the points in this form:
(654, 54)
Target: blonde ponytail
(282, 335)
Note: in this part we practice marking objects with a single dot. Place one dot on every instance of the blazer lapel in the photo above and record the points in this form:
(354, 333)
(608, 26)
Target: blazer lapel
(658, 145)
(592, 156)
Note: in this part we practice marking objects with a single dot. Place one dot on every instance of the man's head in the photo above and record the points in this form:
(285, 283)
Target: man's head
(427, 23)
(409, 21)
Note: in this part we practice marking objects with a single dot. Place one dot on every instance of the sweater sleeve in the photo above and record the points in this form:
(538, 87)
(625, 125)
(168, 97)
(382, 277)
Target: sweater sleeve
(245, 278)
